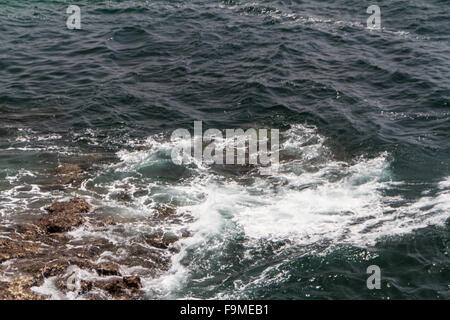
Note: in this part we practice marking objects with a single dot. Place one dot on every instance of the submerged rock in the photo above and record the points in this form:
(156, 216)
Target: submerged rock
(163, 211)
(123, 196)
(69, 173)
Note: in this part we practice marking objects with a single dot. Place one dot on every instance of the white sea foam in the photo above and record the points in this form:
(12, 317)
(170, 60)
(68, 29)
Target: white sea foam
(312, 199)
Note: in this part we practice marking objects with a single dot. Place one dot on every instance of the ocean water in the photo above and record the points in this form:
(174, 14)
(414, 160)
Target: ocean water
(364, 120)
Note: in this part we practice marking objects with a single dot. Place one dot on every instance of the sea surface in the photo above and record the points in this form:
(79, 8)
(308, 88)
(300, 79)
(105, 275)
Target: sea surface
(364, 120)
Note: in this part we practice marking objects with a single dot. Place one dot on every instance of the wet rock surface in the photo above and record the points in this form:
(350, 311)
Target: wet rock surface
(41, 249)
(19, 289)
(64, 215)
(120, 287)
(60, 222)
(132, 282)
(62, 177)
(73, 206)
(10, 249)
(108, 269)
(80, 250)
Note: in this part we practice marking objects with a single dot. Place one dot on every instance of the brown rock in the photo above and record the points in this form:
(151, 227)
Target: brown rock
(164, 211)
(158, 243)
(10, 249)
(18, 289)
(75, 205)
(120, 287)
(132, 282)
(27, 232)
(39, 249)
(40, 269)
(64, 215)
(86, 286)
(60, 222)
(54, 269)
(109, 221)
(108, 269)
(114, 287)
(161, 242)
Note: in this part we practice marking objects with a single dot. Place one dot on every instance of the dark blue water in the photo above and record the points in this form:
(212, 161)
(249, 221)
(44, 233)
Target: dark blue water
(364, 116)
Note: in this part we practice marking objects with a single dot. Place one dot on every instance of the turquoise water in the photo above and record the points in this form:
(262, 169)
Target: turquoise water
(364, 117)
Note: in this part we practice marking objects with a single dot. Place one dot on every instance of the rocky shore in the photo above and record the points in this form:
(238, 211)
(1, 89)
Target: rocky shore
(43, 249)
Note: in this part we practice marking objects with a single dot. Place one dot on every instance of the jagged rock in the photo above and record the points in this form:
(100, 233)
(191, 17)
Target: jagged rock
(104, 222)
(60, 222)
(162, 241)
(108, 269)
(75, 205)
(64, 215)
(86, 286)
(80, 262)
(39, 249)
(114, 286)
(18, 289)
(10, 249)
(164, 211)
(120, 287)
(55, 269)
(28, 232)
(42, 269)
(133, 282)
(158, 243)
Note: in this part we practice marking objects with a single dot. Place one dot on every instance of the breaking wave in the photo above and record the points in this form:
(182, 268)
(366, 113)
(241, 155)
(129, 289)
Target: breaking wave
(313, 202)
